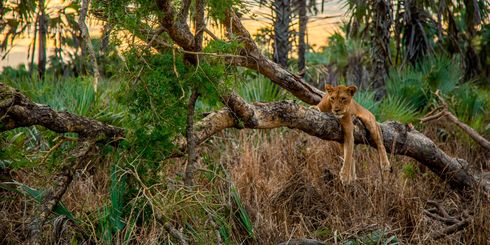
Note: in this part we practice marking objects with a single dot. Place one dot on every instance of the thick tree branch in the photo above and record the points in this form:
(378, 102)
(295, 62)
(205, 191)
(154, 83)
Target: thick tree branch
(398, 138)
(178, 30)
(16, 110)
(257, 61)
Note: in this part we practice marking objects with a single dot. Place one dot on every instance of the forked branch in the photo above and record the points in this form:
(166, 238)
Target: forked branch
(442, 111)
(455, 224)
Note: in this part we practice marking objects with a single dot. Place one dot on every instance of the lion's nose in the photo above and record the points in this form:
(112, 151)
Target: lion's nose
(337, 110)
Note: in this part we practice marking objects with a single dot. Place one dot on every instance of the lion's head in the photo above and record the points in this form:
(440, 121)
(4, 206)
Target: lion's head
(340, 98)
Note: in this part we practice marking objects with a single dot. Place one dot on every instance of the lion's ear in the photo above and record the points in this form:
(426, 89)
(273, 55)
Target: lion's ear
(328, 88)
(352, 90)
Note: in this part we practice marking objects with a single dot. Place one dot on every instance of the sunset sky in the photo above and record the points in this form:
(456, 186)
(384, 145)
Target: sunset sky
(318, 29)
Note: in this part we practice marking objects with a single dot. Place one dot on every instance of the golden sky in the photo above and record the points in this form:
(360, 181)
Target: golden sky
(318, 30)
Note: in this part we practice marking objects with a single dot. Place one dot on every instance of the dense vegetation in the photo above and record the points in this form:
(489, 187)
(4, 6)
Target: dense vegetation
(249, 186)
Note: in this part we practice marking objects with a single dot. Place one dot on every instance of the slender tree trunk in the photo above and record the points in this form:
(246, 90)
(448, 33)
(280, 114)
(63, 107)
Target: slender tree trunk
(33, 49)
(43, 25)
(191, 140)
(380, 51)
(88, 43)
(303, 20)
(106, 34)
(472, 18)
(282, 11)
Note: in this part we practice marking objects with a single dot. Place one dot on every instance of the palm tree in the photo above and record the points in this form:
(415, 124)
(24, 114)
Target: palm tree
(380, 49)
(282, 21)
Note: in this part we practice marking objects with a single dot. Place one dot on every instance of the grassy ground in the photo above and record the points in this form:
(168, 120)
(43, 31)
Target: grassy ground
(288, 185)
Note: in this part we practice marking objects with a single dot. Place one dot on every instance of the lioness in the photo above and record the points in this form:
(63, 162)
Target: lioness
(338, 101)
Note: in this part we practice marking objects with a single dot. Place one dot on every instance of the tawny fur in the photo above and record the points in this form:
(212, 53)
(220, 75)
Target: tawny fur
(339, 102)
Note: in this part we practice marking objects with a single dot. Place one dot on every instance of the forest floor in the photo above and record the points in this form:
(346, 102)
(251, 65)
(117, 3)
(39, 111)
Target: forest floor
(288, 183)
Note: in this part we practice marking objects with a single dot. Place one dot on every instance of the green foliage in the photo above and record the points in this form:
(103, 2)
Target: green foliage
(37, 195)
(367, 99)
(217, 8)
(156, 93)
(396, 108)
(417, 83)
(410, 171)
(379, 236)
(242, 213)
(110, 218)
(256, 88)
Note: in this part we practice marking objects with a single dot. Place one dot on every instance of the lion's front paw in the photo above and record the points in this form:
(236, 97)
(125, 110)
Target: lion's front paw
(345, 177)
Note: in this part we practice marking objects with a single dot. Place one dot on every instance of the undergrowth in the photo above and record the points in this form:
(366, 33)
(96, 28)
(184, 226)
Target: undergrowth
(253, 187)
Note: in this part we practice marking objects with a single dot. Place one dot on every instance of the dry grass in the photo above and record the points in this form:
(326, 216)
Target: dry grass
(288, 183)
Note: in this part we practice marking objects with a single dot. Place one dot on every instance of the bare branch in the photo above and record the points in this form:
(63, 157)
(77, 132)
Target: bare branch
(443, 111)
(16, 110)
(439, 213)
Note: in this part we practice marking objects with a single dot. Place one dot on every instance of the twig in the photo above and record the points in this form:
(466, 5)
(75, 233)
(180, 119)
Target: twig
(175, 233)
(450, 229)
(211, 34)
(439, 213)
(62, 140)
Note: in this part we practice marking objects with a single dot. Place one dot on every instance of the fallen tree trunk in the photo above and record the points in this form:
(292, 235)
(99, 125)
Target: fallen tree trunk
(398, 138)
(16, 110)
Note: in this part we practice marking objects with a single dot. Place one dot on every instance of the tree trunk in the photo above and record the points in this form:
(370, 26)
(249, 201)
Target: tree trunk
(380, 51)
(106, 36)
(303, 20)
(472, 18)
(43, 26)
(282, 11)
(88, 43)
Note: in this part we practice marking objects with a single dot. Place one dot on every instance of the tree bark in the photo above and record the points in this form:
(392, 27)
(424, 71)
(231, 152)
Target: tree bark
(43, 26)
(303, 20)
(88, 43)
(282, 10)
(78, 158)
(17, 110)
(380, 51)
(191, 139)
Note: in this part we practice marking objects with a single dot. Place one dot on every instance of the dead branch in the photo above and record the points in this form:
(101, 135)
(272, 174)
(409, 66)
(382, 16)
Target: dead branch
(454, 224)
(191, 139)
(442, 111)
(398, 138)
(16, 110)
(88, 43)
(78, 158)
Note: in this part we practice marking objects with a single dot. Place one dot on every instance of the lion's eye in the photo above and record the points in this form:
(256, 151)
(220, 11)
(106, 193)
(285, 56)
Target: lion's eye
(331, 98)
(344, 99)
